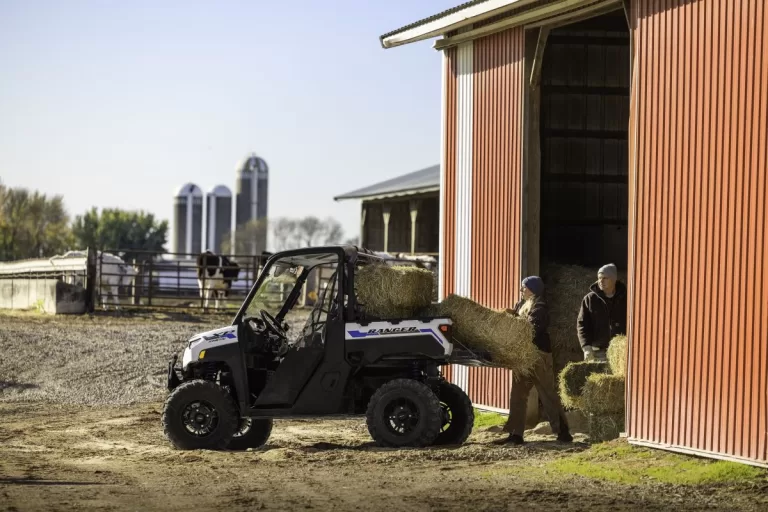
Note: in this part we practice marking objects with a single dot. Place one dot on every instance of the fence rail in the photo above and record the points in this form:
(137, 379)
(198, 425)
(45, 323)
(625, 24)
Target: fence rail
(159, 279)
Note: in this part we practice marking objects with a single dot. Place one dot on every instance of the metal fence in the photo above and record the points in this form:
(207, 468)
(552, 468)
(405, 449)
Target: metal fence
(162, 279)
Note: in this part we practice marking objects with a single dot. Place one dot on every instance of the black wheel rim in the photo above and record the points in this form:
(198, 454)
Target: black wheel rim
(200, 418)
(244, 427)
(446, 416)
(402, 416)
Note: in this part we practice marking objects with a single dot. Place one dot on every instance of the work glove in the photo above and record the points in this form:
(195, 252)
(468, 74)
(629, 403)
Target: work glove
(589, 354)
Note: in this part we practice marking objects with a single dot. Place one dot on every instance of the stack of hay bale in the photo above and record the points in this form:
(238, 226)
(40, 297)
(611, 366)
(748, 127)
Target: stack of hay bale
(597, 389)
(406, 292)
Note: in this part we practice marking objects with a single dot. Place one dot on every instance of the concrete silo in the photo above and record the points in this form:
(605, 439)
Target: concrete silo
(218, 217)
(188, 219)
(251, 192)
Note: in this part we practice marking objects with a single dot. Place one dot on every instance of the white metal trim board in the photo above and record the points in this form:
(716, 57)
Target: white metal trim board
(464, 133)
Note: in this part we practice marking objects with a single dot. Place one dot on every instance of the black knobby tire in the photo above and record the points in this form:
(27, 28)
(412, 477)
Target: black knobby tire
(458, 415)
(404, 412)
(251, 433)
(181, 411)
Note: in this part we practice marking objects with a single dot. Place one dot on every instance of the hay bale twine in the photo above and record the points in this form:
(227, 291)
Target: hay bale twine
(603, 394)
(573, 378)
(507, 338)
(393, 291)
(605, 427)
(617, 355)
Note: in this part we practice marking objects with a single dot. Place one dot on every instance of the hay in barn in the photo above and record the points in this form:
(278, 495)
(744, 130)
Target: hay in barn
(572, 380)
(393, 291)
(605, 427)
(567, 285)
(603, 394)
(617, 355)
(507, 338)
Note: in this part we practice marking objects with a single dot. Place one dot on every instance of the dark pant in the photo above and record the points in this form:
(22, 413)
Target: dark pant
(543, 377)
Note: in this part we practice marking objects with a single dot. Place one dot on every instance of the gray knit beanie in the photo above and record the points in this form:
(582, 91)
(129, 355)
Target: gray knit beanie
(609, 271)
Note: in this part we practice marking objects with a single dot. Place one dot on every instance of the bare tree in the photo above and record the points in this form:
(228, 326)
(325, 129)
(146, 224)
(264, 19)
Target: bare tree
(284, 231)
(249, 238)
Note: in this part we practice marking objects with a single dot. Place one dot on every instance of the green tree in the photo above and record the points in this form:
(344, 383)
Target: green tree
(32, 225)
(126, 233)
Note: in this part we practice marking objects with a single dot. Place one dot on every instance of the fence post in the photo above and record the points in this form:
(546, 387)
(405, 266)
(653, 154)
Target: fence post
(151, 283)
(90, 280)
(137, 282)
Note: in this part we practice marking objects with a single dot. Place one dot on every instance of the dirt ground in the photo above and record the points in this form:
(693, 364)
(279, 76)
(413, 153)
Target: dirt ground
(60, 450)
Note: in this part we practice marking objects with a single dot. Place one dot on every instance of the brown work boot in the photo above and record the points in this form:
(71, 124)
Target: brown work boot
(516, 439)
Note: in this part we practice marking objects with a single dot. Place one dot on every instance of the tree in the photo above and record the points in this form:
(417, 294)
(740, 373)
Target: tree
(250, 238)
(32, 225)
(313, 231)
(284, 233)
(127, 232)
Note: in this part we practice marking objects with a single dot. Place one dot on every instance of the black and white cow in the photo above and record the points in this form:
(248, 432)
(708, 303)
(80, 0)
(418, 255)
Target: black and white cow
(215, 275)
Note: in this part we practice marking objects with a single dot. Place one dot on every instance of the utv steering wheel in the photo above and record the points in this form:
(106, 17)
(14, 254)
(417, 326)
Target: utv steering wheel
(272, 325)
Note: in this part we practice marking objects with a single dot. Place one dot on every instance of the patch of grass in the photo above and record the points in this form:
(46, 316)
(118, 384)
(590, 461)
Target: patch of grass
(622, 463)
(485, 419)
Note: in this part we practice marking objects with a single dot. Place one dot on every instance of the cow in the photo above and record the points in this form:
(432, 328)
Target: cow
(111, 273)
(215, 275)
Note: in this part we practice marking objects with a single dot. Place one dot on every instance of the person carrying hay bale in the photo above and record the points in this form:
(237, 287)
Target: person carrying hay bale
(533, 307)
(603, 314)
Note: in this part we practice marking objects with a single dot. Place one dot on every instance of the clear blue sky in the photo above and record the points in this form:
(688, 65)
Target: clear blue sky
(117, 104)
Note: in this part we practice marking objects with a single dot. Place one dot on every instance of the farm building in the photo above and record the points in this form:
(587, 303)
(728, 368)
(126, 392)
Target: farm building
(589, 131)
(402, 214)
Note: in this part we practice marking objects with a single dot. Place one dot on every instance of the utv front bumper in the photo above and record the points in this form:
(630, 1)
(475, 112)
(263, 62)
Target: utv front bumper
(173, 377)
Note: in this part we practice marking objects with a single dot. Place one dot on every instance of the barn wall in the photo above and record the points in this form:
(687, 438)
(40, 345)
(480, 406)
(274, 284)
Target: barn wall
(699, 298)
(497, 167)
(482, 174)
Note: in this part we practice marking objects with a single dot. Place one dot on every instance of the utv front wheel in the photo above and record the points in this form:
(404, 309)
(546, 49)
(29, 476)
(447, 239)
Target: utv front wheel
(458, 415)
(404, 412)
(199, 415)
(251, 433)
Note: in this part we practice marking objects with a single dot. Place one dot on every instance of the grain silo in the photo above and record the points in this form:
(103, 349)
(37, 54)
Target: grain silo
(218, 217)
(251, 193)
(188, 219)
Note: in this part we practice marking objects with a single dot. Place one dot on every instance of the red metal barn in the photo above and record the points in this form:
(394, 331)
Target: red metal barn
(586, 131)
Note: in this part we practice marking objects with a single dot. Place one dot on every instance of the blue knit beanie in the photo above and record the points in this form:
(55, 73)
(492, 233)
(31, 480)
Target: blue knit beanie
(535, 284)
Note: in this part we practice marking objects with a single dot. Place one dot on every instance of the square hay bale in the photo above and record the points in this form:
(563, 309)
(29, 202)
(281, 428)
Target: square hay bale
(603, 394)
(393, 291)
(617, 355)
(605, 427)
(566, 287)
(507, 338)
(573, 378)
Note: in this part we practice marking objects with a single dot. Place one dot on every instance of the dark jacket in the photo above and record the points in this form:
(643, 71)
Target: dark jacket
(601, 318)
(538, 316)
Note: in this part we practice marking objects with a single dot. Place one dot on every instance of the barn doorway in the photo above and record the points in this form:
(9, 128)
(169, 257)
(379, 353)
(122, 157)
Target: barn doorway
(583, 131)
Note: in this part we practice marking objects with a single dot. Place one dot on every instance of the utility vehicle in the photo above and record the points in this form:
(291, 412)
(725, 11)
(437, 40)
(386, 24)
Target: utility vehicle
(233, 381)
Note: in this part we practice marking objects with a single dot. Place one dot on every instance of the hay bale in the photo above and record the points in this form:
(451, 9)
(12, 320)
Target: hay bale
(603, 394)
(507, 338)
(393, 291)
(605, 427)
(566, 287)
(617, 355)
(573, 378)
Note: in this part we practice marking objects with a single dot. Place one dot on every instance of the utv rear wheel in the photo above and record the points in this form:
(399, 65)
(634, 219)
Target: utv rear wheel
(458, 415)
(404, 412)
(199, 415)
(251, 433)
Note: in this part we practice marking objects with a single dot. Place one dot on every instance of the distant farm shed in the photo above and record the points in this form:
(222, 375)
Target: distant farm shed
(402, 214)
(634, 131)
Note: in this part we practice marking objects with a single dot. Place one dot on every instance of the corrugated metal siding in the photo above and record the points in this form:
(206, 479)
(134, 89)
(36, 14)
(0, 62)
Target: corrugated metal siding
(464, 171)
(699, 330)
(448, 178)
(497, 167)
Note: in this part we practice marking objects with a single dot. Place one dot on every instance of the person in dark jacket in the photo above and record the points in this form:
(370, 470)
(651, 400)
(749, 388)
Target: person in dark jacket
(603, 314)
(533, 307)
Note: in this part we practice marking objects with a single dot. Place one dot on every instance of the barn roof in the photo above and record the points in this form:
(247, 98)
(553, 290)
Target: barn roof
(417, 182)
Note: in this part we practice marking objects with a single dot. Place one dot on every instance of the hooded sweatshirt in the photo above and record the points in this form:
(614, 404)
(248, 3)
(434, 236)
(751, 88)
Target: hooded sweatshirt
(601, 318)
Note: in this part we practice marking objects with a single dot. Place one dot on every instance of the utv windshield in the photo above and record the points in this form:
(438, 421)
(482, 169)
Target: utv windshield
(299, 282)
